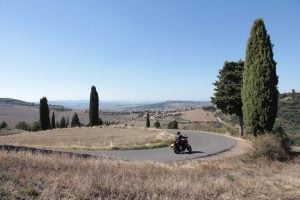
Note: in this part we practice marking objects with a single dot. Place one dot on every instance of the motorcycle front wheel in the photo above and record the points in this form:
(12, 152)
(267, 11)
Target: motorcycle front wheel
(176, 150)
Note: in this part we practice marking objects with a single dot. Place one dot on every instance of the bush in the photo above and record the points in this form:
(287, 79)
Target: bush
(36, 126)
(295, 140)
(3, 125)
(157, 124)
(63, 123)
(284, 139)
(273, 146)
(23, 126)
(75, 120)
(173, 125)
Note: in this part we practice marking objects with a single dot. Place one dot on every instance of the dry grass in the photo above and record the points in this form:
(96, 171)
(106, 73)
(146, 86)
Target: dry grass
(95, 138)
(26, 176)
(212, 126)
(198, 115)
(296, 149)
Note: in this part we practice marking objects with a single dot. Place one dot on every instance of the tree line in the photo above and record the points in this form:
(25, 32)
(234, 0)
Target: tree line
(45, 123)
(249, 89)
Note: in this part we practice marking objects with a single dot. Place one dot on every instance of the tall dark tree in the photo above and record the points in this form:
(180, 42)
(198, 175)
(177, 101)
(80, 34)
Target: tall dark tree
(259, 89)
(94, 107)
(53, 121)
(44, 114)
(75, 120)
(147, 120)
(227, 96)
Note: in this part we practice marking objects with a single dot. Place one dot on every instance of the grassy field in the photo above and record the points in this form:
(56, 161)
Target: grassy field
(197, 115)
(27, 176)
(95, 138)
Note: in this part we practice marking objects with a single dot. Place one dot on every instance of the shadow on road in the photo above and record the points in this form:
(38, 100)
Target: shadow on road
(194, 152)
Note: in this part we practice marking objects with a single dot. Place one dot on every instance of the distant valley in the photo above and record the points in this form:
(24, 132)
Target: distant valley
(13, 111)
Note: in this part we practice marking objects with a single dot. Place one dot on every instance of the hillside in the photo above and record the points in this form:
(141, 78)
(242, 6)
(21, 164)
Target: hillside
(13, 111)
(15, 102)
(289, 112)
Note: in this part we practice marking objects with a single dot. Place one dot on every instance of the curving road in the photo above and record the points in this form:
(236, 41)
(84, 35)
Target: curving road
(203, 144)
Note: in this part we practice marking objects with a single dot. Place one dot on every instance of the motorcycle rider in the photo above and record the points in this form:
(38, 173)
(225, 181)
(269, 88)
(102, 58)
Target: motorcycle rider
(181, 144)
(179, 138)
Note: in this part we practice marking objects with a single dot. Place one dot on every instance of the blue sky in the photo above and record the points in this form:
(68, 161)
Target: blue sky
(136, 49)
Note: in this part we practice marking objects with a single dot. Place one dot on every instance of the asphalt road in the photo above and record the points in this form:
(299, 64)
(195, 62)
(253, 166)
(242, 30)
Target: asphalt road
(203, 145)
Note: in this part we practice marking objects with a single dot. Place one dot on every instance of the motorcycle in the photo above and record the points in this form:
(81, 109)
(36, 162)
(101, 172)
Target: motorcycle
(180, 146)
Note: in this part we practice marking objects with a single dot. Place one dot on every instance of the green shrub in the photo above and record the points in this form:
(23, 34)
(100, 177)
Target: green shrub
(284, 139)
(23, 126)
(273, 146)
(3, 125)
(173, 125)
(36, 126)
(157, 124)
(63, 122)
(295, 140)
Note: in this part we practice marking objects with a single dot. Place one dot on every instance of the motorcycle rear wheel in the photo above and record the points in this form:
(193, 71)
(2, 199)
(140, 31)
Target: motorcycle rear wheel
(189, 148)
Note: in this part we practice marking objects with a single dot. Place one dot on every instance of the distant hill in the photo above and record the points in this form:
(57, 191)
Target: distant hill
(172, 105)
(132, 105)
(104, 105)
(16, 102)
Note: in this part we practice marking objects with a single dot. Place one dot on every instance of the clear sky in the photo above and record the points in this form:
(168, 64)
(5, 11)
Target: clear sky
(136, 49)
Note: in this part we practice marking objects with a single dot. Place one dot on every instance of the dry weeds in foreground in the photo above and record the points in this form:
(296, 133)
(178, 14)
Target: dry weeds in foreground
(91, 138)
(26, 176)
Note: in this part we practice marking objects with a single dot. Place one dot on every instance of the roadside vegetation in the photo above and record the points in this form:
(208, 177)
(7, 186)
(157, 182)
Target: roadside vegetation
(27, 176)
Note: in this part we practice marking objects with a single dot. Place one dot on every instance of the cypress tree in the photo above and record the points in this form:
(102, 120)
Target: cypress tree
(259, 89)
(94, 107)
(147, 121)
(53, 121)
(44, 114)
(227, 96)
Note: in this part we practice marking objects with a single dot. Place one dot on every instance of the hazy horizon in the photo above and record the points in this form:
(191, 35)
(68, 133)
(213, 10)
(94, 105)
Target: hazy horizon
(136, 50)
